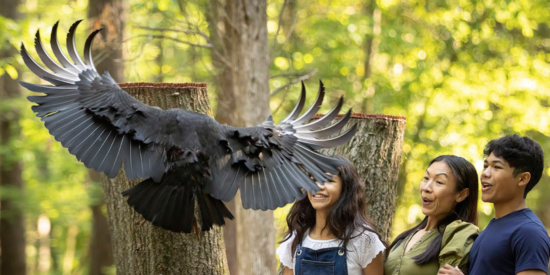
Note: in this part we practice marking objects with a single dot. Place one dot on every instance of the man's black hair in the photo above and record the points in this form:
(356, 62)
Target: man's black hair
(521, 153)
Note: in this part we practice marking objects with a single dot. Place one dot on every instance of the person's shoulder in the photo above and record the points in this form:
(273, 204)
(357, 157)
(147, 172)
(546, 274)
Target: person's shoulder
(531, 218)
(364, 233)
(287, 241)
(532, 229)
(366, 237)
(366, 245)
(284, 251)
(460, 231)
(462, 226)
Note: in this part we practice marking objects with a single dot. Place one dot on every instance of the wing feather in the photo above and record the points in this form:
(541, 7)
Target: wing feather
(93, 117)
(278, 160)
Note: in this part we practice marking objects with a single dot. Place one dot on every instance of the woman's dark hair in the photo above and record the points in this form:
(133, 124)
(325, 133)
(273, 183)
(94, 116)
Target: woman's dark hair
(346, 216)
(466, 177)
(521, 153)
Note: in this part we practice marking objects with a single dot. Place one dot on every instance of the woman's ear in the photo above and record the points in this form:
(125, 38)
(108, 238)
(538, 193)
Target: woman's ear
(462, 195)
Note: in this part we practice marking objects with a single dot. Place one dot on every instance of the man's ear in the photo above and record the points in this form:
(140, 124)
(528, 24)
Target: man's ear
(523, 178)
(462, 195)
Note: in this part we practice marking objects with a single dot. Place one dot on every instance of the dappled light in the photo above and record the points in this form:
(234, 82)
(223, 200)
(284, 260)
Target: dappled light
(461, 72)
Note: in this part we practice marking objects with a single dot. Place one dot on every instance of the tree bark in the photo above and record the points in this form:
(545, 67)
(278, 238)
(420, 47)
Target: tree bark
(370, 49)
(140, 247)
(12, 227)
(238, 33)
(101, 249)
(111, 16)
(376, 152)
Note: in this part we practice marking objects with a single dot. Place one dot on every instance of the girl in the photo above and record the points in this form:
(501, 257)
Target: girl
(330, 233)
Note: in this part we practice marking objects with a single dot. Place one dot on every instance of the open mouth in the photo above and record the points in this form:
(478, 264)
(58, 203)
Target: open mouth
(485, 186)
(426, 201)
(319, 196)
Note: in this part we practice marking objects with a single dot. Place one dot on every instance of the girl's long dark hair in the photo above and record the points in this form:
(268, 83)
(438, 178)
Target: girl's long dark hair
(346, 216)
(466, 177)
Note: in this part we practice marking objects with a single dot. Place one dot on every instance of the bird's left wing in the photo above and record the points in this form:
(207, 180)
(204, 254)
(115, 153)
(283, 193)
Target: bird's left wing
(271, 164)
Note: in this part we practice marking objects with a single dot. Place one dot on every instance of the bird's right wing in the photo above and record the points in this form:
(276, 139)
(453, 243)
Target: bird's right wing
(101, 124)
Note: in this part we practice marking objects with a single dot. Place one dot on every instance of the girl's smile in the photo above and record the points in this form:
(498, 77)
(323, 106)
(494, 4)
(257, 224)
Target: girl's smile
(328, 194)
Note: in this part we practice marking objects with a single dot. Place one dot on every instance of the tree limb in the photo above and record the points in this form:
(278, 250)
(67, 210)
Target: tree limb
(294, 81)
(204, 35)
(291, 29)
(288, 74)
(279, 23)
(208, 46)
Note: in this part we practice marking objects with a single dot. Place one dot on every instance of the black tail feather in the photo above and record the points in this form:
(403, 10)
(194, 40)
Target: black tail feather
(170, 204)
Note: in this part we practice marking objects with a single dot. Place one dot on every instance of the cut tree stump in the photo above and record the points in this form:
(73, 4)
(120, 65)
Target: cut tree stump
(376, 152)
(375, 149)
(141, 248)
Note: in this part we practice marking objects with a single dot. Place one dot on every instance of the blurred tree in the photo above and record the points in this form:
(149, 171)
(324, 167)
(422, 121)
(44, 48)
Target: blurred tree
(12, 226)
(110, 15)
(240, 51)
(101, 249)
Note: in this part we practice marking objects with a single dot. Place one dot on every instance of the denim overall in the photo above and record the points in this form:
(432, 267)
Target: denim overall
(326, 261)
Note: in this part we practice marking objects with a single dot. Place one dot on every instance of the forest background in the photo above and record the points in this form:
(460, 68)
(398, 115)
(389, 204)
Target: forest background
(462, 73)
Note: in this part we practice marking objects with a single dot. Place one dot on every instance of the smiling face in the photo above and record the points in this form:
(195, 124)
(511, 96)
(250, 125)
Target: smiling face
(328, 195)
(498, 183)
(438, 190)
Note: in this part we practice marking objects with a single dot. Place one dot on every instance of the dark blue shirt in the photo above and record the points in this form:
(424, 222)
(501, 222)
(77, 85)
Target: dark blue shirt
(511, 244)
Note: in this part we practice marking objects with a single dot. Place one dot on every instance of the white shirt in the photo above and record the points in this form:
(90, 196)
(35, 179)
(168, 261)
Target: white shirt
(361, 250)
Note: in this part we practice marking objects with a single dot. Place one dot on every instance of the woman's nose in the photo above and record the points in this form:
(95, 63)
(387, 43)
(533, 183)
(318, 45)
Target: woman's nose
(322, 186)
(427, 187)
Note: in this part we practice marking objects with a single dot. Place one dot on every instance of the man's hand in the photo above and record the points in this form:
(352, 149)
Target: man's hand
(449, 270)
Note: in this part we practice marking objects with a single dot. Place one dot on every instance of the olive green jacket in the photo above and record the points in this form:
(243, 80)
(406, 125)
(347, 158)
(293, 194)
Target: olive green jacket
(458, 239)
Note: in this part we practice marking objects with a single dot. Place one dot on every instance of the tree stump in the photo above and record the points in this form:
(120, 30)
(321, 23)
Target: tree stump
(376, 152)
(141, 248)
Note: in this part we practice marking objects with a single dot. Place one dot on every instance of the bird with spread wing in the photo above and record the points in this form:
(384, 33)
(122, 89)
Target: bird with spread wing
(187, 159)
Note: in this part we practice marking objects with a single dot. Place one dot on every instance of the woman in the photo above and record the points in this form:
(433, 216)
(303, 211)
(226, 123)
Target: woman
(449, 194)
(329, 233)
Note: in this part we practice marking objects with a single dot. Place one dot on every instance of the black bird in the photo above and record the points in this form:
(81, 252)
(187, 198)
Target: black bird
(185, 157)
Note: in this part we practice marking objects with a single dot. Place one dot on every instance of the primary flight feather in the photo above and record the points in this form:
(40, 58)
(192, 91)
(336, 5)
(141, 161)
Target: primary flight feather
(185, 157)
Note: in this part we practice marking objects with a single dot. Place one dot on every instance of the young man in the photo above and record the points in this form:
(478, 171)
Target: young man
(515, 241)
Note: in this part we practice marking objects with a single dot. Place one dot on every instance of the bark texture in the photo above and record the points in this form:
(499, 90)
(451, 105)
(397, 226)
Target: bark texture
(111, 16)
(12, 227)
(101, 249)
(238, 33)
(376, 152)
(140, 247)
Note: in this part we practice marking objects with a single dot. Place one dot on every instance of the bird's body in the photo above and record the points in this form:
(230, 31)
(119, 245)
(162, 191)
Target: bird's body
(186, 158)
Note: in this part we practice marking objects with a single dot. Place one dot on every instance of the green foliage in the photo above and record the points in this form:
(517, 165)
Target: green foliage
(462, 72)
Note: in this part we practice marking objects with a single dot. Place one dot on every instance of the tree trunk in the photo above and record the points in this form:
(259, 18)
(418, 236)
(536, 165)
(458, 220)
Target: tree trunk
(376, 152)
(111, 16)
(241, 51)
(101, 249)
(12, 227)
(140, 247)
(370, 49)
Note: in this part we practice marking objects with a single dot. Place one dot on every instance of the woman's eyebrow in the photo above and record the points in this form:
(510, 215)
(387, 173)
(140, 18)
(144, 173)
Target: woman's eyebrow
(443, 173)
